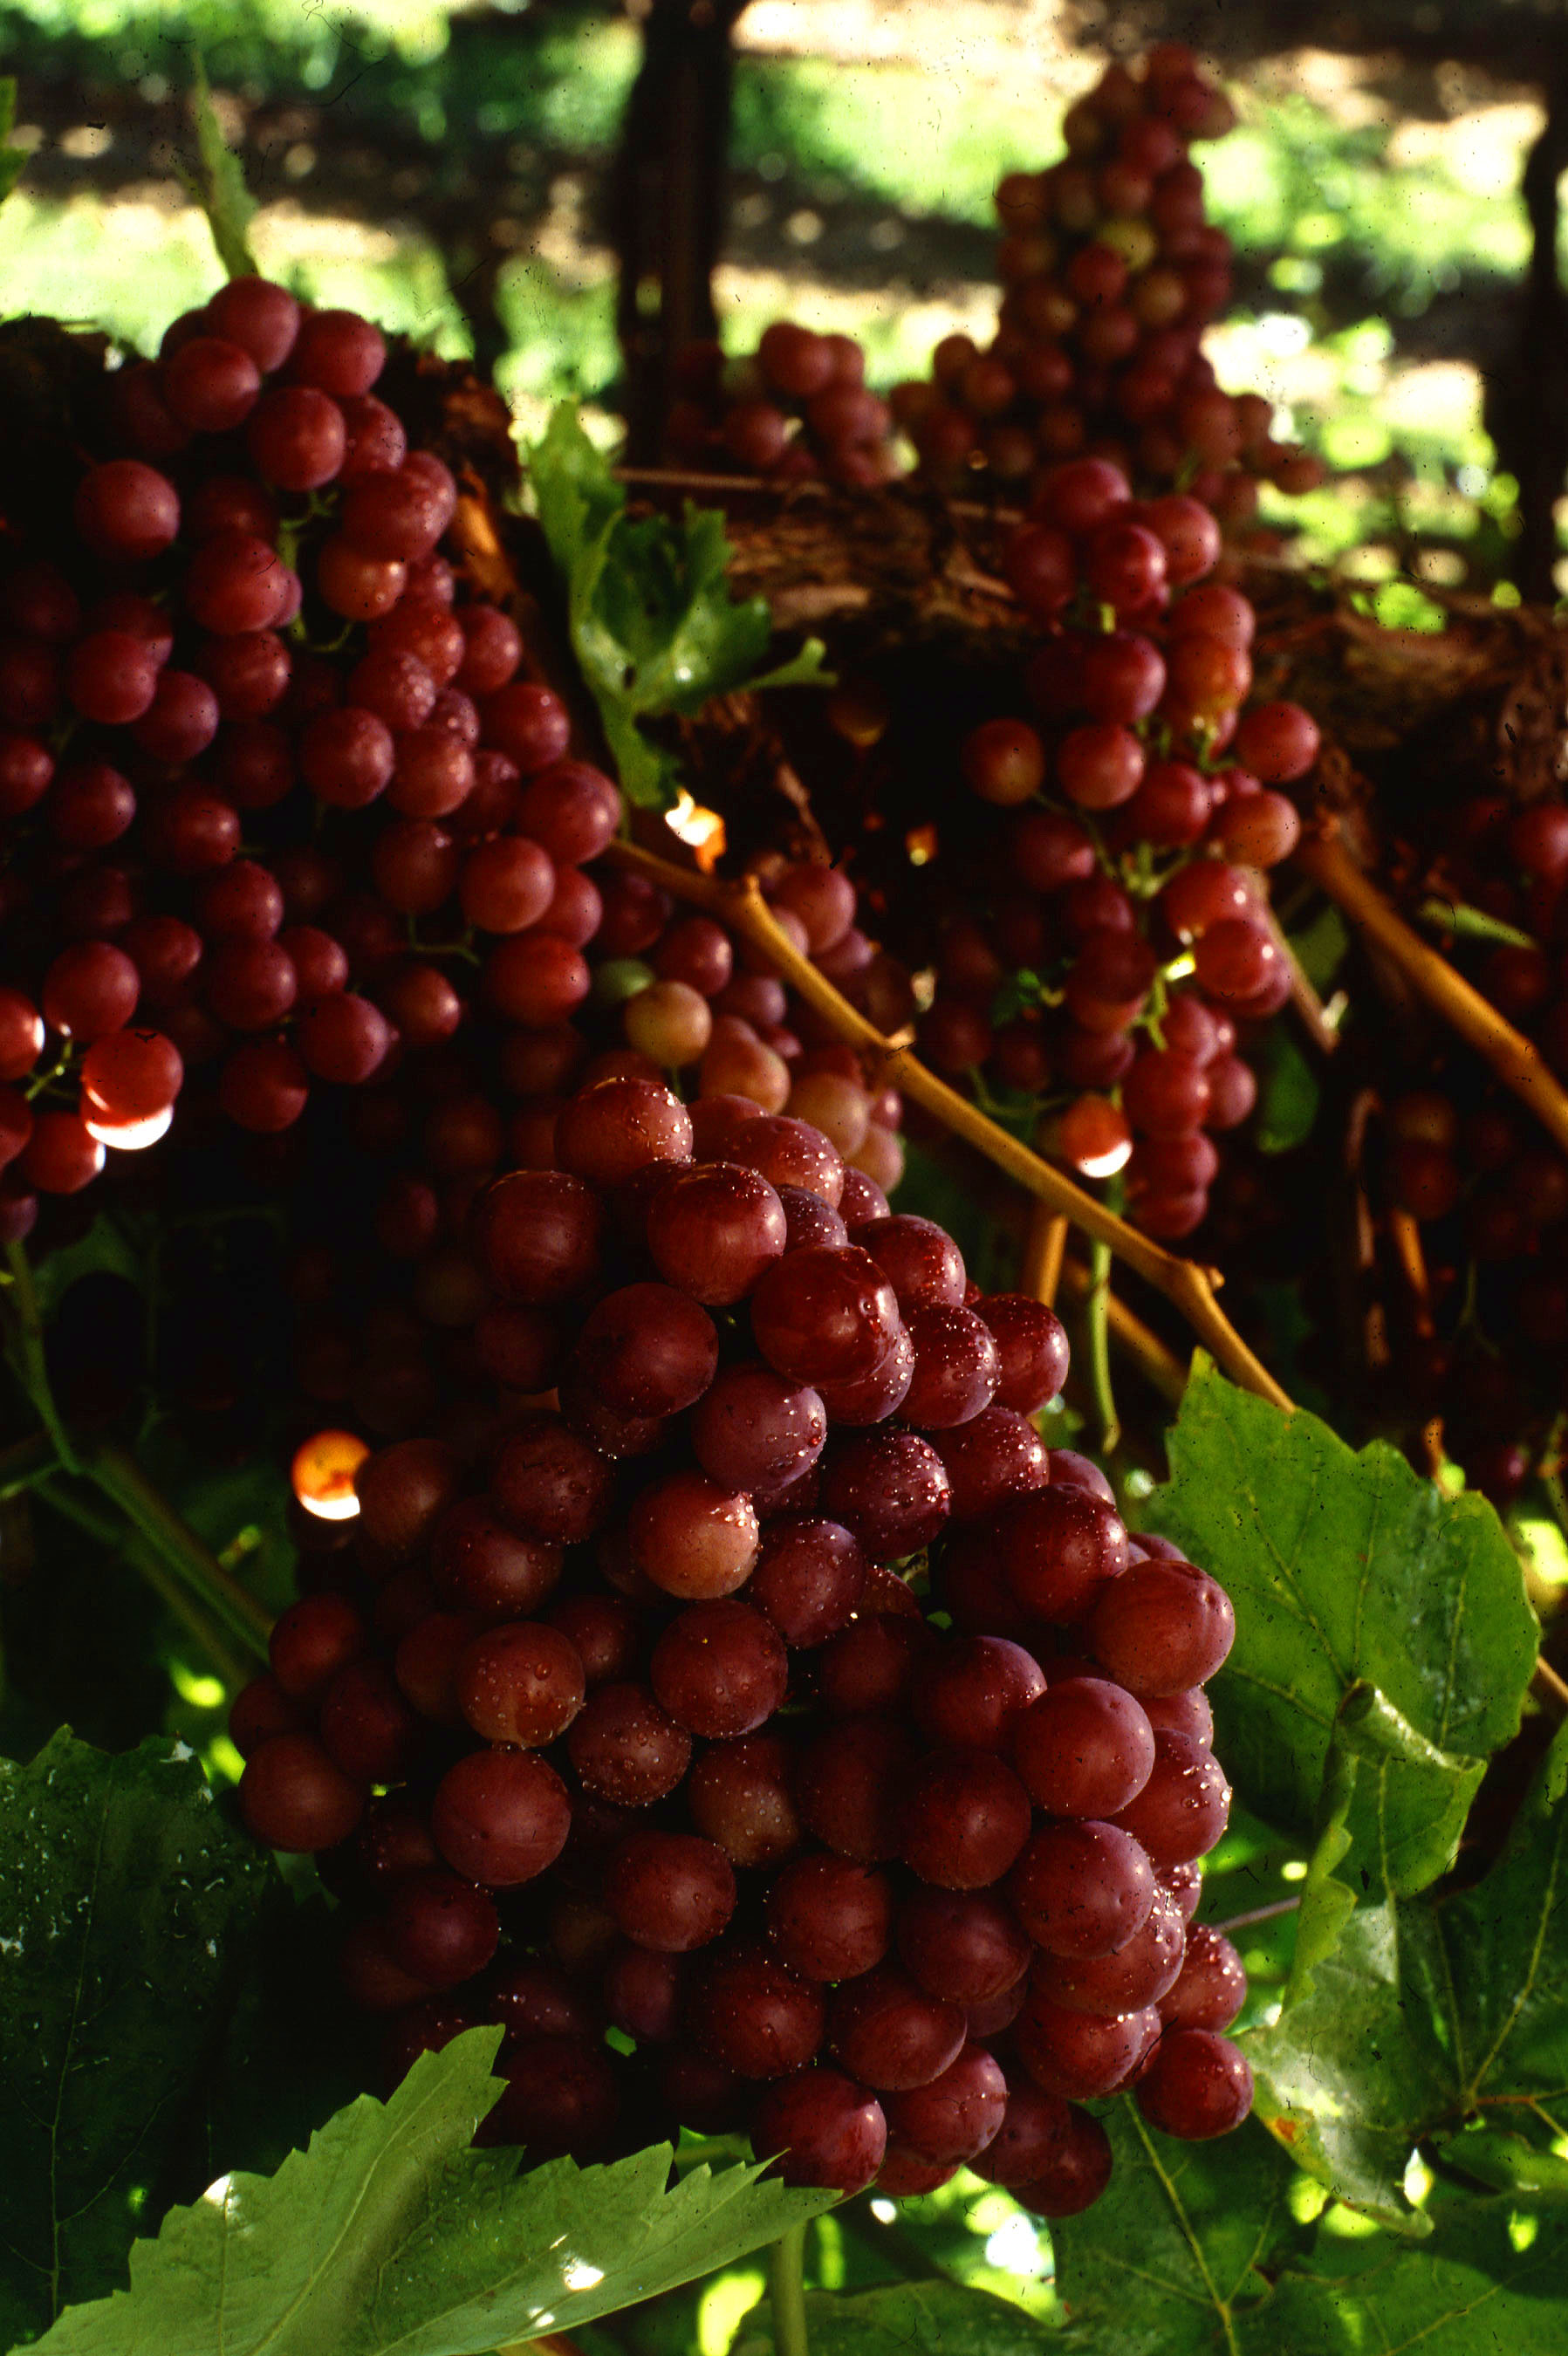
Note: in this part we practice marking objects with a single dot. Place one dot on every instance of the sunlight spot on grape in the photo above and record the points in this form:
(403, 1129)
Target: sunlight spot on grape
(1105, 1165)
(1014, 2248)
(885, 2211)
(323, 1475)
(1293, 1871)
(128, 1136)
(721, 2308)
(1418, 2179)
(1522, 2231)
(577, 2275)
(704, 829)
(217, 2194)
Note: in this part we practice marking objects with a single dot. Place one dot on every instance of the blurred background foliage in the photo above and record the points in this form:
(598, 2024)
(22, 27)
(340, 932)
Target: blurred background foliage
(449, 166)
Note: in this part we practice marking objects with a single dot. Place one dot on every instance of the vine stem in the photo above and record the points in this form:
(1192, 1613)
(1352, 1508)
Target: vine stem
(1547, 1687)
(150, 1566)
(34, 1370)
(1258, 1915)
(176, 1545)
(787, 2290)
(1190, 1288)
(25, 1462)
(1043, 1248)
(1520, 1065)
(1097, 1303)
(1159, 1364)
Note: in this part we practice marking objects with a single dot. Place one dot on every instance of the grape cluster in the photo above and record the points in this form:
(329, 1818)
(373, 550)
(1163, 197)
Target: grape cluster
(798, 411)
(279, 809)
(1463, 1158)
(1111, 273)
(644, 1670)
(391, 1321)
(1102, 931)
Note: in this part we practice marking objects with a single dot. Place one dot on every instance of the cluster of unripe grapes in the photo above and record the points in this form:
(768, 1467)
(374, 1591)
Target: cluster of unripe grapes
(631, 1708)
(1476, 1170)
(798, 411)
(1111, 274)
(1108, 935)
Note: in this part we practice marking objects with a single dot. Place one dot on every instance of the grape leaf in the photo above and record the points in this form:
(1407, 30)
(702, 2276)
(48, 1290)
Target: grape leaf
(1347, 1569)
(217, 183)
(13, 160)
(653, 624)
(124, 1900)
(1167, 2262)
(1490, 2278)
(391, 2236)
(907, 2319)
(1288, 1095)
(1430, 2011)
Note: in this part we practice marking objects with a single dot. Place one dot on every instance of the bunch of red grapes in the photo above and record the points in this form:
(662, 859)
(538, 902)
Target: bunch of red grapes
(1112, 274)
(666, 1738)
(1107, 937)
(278, 809)
(1463, 1157)
(797, 411)
(393, 1312)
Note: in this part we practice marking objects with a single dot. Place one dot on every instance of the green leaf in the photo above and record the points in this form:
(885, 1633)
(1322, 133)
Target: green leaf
(1288, 1095)
(654, 627)
(907, 2319)
(1489, 2279)
(391, 2236)
(1429, 2012)
(104, 1251)
(1348, 1569)
(124, 1897)
(1165, 2263)
(13, 160)
(1322, 947)
(218, 184)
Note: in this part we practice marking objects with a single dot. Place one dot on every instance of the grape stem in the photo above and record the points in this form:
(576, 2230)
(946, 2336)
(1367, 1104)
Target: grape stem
(33, 1370)
(1160, 1366)
(787, 2289)
(1520, 1065)
(1096, 1304)
(194, 1565)
(232, 1667)
(1190, 1288)
(1305, 1003)
(1044, 1246)
(1548, 1688)
(25, 1462)
(1256, 1914)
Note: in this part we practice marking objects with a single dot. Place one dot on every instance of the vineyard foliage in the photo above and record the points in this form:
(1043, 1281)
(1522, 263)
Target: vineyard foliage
(196, 2157)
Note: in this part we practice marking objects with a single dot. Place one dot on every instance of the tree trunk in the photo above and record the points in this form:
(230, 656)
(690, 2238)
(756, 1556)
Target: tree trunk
(668, 202)
(1528, 414)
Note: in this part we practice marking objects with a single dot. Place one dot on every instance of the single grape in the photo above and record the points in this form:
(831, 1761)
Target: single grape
(1198, 2084)
(821, 2128)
